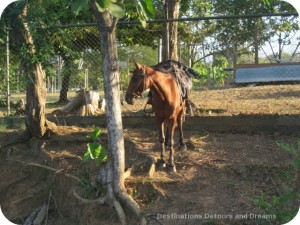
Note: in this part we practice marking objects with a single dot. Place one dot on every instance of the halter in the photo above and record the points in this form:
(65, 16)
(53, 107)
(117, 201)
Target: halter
(144, 75)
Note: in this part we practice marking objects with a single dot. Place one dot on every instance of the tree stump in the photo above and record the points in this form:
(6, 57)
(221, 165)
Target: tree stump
(20, 108)
(85, 103)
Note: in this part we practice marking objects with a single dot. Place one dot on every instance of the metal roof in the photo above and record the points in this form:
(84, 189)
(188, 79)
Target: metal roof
(267, 73)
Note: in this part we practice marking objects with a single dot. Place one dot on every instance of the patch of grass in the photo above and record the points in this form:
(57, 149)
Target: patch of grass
(285, 205)
(88, 184)
(144, 193)
(10, 123)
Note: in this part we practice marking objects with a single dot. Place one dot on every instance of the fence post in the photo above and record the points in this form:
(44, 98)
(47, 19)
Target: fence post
(7, 72)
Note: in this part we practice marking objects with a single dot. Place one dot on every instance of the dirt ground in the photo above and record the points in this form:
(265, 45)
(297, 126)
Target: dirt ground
(219, 178)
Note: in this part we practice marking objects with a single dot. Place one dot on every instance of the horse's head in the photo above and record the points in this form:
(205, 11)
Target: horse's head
(136, 84)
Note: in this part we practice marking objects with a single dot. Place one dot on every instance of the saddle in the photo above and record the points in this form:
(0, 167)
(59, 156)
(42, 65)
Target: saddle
(181, 73)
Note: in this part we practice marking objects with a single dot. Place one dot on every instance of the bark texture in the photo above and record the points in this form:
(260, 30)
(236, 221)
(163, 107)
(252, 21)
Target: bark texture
(114, 174)
(170, 32)
(35, 119)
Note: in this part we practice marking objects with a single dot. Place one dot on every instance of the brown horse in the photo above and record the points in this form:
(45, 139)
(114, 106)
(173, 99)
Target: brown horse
(167, 104)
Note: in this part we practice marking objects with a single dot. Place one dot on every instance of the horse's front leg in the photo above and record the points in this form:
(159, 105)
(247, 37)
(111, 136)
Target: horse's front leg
(170, 144)
(161, 162)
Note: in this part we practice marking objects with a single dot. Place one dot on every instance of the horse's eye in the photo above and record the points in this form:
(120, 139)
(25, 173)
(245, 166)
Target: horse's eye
(135, 79)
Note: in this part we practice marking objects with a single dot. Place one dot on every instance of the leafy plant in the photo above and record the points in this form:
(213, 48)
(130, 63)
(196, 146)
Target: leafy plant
(95, 150)
(285, 206)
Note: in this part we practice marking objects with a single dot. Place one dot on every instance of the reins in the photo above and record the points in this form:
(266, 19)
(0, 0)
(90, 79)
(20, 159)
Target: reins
(136, 95)
(139, 108)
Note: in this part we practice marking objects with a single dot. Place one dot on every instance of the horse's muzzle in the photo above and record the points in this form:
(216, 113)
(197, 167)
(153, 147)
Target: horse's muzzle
(129, 98)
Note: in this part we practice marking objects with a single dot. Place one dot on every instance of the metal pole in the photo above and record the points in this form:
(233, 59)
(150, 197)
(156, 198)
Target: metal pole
(86, 78)
(7, 73)
(159, 50)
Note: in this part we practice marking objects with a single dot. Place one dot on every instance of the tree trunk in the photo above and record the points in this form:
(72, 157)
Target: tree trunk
(35, 119)
(165, 35)
(115, 166)
(170, 33)
(63, 96)
(173, 9)
(112, 98)
(106, 28)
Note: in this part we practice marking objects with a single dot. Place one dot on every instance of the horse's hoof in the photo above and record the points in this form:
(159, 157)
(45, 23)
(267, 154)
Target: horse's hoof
(172, 169)
(183, 148)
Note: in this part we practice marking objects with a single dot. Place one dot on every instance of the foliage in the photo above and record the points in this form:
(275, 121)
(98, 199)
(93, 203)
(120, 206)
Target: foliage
(212, 73)
(285, 205)
(95, 150)
(116, 8)
(89, 186)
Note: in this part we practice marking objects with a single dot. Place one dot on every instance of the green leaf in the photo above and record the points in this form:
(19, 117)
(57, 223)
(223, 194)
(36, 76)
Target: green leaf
(95, 133)
(102, 156)
(147, 6)
(116, 10)
(94, 149)
(99, 7)
(103, 3)
(78, 5)
(145, 9)
(86, 157)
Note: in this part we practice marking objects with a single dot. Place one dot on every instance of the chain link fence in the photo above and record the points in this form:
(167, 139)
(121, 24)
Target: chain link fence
(71, 57)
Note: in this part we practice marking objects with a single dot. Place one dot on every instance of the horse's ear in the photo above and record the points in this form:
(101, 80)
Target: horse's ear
(138, 66)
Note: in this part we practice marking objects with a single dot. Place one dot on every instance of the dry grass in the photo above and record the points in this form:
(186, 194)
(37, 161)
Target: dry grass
(281, 99)
(258, 100)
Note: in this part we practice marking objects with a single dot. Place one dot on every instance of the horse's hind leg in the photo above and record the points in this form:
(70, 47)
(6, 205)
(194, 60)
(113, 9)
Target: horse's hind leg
(182, 145)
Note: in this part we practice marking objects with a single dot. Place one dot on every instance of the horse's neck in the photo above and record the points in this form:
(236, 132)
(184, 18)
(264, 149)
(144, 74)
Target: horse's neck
(162, 84)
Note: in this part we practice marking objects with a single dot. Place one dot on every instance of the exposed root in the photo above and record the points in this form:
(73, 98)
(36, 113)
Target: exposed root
(133, 206)
(52, 169)
(99, 201)
(51, 128)
(21, 199)
(160, 192)
(120, 211)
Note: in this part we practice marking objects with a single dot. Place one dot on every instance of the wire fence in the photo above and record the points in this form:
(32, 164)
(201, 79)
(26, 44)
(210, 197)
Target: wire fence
(71, 57)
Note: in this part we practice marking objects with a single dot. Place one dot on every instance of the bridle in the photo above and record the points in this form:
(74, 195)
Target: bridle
(133, 92)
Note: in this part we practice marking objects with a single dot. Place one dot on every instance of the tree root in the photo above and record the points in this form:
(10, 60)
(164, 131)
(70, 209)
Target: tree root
(52, 169)
(133, 206)
(120, 211)
(99, 201)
